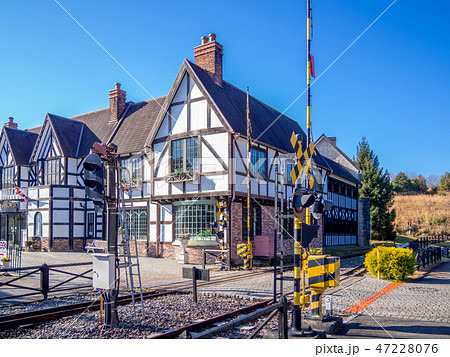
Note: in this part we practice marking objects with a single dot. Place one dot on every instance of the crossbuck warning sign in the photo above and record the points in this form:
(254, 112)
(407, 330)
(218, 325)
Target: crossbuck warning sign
(303, 160)
(221, 210)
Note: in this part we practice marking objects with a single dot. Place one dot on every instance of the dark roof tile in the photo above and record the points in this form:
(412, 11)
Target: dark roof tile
(21, 143)
(232, 102)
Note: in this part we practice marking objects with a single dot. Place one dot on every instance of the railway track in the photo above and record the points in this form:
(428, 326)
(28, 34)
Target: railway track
(30, 318)
(189, 331)
(33, 317)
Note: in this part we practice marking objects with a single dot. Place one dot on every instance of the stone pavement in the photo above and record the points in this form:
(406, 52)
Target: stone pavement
(423, 299)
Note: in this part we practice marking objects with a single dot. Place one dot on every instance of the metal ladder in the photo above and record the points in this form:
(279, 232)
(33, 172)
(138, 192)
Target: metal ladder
(281, 217)
(127, 263)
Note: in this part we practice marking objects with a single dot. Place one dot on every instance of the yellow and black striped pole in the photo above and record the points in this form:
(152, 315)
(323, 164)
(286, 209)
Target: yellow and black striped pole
(296, 310)
(308, 79)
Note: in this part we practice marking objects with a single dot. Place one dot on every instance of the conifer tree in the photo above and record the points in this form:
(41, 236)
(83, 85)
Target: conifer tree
(376, 186)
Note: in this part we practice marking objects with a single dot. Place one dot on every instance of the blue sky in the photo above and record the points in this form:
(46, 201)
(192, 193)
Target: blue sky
(391, 86)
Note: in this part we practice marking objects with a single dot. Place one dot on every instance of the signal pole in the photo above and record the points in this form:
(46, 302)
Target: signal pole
(111, 315)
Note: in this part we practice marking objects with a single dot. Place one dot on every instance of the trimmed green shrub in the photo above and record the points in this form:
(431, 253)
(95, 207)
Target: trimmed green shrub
(392, 263)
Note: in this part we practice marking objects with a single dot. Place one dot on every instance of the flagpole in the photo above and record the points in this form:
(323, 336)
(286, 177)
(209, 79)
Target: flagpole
(308, 80)
(249, 247)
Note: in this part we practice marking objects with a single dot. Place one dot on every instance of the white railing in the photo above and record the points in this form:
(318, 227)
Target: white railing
(10, 194)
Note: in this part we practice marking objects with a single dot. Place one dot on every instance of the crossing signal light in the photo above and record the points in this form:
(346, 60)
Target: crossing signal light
(301, 200)
(307, 234)
(320, 206)
(93, 180)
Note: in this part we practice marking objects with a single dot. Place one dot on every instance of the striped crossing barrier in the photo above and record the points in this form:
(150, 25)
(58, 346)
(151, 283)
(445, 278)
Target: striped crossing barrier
(323, 272)
(245, 252)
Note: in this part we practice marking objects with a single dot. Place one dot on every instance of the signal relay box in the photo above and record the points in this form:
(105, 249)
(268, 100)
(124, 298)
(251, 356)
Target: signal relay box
(103, 271)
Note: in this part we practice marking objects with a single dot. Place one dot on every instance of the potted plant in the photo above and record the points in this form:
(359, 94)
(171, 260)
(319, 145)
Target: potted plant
(6, 261)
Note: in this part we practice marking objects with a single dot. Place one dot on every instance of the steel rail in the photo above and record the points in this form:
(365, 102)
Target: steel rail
(33, 317)
(203, 324)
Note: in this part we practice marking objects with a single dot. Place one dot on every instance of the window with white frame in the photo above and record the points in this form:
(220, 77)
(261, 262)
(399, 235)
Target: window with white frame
(90, 225)
(52, 172)
(193, 219)
(184, 155)
(38, 224)
(8, 177)
(134, 165)
(139, 229)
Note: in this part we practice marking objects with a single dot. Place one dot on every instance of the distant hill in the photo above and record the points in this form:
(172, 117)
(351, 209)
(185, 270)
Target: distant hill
(423, 214)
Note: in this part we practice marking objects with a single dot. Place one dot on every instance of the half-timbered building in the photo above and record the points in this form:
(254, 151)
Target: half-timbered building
(185, 152)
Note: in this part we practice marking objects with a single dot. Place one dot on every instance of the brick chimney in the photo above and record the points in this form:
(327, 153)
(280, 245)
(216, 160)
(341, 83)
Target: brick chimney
(332, 139)
(117, 99)
(10, 123)
(209, 57)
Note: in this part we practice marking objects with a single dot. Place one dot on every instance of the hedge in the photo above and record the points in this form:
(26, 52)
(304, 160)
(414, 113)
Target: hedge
(391, 263)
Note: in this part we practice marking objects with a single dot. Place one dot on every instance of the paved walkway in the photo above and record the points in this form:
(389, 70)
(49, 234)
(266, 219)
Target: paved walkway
(425, 299)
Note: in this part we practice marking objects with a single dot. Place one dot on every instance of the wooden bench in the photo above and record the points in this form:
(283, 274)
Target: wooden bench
(96, 246)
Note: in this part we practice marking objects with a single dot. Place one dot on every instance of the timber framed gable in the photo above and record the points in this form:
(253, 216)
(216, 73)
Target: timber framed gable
(48, 162)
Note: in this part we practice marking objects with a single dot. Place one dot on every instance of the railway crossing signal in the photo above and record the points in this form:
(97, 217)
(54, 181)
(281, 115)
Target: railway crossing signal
(221, 211)
(301, 200)
(93, 180)
(303, 160)
(320, 206)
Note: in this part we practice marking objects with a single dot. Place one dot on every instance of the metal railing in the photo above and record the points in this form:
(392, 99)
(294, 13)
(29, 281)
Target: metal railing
(15, 255)
(428, 256)
(43, 273)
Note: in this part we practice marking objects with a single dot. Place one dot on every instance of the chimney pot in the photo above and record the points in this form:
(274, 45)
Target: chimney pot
(208, 56)
(117, 100)
(10, 123)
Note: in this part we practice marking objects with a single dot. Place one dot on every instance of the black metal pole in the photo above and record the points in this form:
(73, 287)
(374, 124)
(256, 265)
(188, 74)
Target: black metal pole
(45, 281)
(111, 236)
(194, 283)
(283, 320)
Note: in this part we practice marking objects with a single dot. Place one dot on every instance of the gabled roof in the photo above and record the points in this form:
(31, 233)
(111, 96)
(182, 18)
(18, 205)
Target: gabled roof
(36, 129)
(68, 132)
(99, 123)
(351, 162)
(74, 138)
(134, 127)
(21, 144)
(269, 126)
(340, 170)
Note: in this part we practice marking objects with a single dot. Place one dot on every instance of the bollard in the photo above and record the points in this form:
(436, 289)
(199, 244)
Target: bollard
(283, 319)
(194, 282)
(316, 303)
(45, 281)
